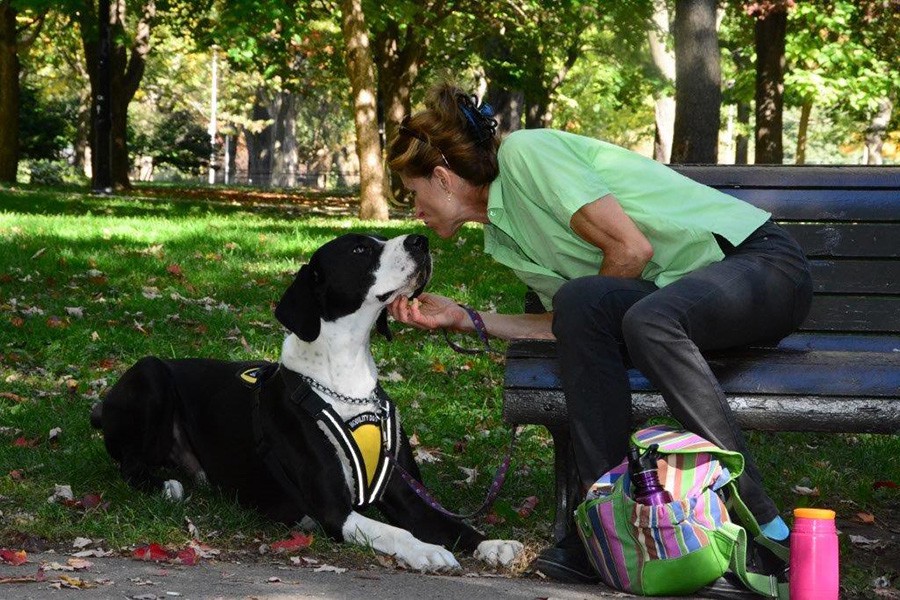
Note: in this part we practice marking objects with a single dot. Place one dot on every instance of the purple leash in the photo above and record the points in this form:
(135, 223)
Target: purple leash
(500, 475)
(493, 490)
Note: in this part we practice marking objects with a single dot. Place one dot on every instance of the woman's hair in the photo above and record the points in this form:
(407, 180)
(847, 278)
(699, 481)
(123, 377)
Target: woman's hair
(452, 131)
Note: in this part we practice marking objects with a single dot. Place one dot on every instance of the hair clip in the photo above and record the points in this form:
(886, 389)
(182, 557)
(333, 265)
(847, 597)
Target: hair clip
(480, 118)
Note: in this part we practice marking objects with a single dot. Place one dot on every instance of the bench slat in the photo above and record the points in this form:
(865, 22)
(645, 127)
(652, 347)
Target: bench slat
(853, 314)
(762, 371)
(823, 205)
(792, 176)
(836, 240)
(760, 412)
(856, 277)
(795, 341)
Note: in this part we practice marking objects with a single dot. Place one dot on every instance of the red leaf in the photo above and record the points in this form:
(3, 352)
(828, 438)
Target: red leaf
(91, 501)
(884, 484)
(298, 541)
(13, 557)
(17, 322)
(188, 557)
(23, 442)
(152, 552)
(175, 270)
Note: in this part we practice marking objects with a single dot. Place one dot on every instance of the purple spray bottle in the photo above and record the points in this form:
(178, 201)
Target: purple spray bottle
(646, 488)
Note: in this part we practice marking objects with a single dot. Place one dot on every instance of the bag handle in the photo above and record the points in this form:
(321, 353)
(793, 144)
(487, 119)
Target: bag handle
(765, 585)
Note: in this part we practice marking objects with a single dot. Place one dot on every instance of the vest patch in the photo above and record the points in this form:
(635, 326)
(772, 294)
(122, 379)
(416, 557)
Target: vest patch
(366, 431)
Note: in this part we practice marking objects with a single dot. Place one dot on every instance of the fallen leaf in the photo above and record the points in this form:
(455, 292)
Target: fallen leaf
(38, 253)
(884, 484)
(471, 475)
(298, 541)
(151, 552)
(61, 493)
(187, 556)
(329, 569)
(175, 271)
(23, 442)
(17, 322)
(801, 490)
(864, 517)
(54, 434)
(13, 557)
(12, 397)
(527, 506)
(74, 311)
(54, 322)
(865, 543)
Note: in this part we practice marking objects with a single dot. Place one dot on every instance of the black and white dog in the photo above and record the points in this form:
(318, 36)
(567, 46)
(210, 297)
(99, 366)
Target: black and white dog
(309, 436)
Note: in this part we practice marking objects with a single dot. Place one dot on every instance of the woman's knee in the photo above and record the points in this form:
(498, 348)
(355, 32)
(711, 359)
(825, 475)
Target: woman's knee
(645, 324)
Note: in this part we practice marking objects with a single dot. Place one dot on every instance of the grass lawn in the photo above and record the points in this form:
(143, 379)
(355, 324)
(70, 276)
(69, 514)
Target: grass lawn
(89, 284)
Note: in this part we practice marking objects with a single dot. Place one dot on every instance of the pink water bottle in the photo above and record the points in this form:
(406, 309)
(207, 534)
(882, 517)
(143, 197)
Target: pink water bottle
(814, 555)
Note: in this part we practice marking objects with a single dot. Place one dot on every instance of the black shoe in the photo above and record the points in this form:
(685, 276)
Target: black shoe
(764, 561)
(566, 562)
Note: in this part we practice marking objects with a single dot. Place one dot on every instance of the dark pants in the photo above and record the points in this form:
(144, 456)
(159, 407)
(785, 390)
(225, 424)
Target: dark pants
(759, 292)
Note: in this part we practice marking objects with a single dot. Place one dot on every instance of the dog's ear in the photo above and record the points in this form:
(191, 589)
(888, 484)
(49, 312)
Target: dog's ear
(381, 325)
(298, 309)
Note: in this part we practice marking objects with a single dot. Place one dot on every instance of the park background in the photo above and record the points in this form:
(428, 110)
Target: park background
(156, 197)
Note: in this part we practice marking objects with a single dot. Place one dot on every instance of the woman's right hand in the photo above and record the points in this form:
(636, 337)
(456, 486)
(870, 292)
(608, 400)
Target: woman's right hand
(428, 311)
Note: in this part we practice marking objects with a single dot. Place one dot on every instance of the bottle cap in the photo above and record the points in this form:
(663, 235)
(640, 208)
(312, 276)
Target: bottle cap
(814, 513)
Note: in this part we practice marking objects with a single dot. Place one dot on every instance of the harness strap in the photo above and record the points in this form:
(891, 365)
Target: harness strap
(314, 405)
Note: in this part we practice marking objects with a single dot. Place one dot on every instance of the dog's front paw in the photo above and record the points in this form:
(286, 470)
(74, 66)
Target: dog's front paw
(499, 552)
(426, 557)
(173, 490)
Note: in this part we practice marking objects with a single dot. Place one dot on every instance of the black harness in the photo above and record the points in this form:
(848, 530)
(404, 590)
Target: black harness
(367, 440)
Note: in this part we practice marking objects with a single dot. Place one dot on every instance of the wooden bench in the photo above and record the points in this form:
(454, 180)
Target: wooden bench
(839, 373)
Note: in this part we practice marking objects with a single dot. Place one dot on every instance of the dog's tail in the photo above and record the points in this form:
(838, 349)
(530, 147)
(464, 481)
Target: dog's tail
(97, 415)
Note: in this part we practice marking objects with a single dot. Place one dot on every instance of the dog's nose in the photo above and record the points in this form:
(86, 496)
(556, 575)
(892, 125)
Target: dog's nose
(416, 243)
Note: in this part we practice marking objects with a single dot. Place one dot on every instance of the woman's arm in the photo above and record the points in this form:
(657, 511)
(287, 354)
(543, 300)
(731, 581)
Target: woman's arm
(603, 223)
(430, 311)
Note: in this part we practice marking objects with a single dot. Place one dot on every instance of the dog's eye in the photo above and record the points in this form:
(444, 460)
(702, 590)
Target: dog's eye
(360, 249)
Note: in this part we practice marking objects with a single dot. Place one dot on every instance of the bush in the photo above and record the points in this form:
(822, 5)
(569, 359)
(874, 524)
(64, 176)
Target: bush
(49, 173)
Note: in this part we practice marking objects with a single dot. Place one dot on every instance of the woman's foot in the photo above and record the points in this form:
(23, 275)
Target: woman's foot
(566, 562)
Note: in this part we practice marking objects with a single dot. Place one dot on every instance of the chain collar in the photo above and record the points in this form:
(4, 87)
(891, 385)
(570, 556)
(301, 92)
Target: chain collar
(372, 398)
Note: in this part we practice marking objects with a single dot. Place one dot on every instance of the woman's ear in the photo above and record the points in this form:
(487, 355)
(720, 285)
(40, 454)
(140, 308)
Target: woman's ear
(443, 177)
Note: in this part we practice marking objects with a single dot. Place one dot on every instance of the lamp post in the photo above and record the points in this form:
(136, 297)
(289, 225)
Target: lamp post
(214, 105)
(102, 173)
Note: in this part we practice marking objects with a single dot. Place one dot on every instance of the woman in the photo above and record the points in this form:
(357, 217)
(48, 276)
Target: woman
(634, 263)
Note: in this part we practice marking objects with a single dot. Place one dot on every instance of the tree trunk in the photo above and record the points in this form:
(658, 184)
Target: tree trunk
(698, 93)
(361, 73)
(664, 61)
(770, 42)
(742, 140)
(259, 144)
(126, 69)
(9, 94)
(398, 61)
(802, 132)
(507, 105)
(876, 131)
(285, 149)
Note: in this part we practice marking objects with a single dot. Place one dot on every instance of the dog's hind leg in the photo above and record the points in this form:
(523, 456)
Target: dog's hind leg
(182, 455)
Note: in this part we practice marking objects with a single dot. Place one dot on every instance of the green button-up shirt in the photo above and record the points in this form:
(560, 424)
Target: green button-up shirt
(547, 175)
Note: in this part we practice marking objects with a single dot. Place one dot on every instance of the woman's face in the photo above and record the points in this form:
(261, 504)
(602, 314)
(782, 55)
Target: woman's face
(434, 204)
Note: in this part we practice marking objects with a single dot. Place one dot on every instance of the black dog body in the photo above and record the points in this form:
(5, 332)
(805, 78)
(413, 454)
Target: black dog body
(197, 415)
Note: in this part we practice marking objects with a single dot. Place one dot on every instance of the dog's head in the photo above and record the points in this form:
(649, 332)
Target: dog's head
(351, 272)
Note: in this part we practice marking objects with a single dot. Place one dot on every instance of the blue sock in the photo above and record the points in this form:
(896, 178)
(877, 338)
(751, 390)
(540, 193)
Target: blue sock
(776, 529)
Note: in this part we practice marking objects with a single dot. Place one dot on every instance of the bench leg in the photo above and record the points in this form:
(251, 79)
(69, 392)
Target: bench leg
(568, 493)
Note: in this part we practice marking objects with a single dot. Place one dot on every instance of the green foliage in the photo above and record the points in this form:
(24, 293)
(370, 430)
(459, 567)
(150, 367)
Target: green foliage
(46, 125)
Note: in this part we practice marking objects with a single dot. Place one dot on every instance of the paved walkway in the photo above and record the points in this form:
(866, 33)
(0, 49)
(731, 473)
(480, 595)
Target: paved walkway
(136, 580)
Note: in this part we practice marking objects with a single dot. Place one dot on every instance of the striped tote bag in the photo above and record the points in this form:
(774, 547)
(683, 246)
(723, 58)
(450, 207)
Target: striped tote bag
(675, 548)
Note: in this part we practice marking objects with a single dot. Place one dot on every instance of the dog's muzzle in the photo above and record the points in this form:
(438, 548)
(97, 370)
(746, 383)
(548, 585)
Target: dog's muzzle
(417, 247)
